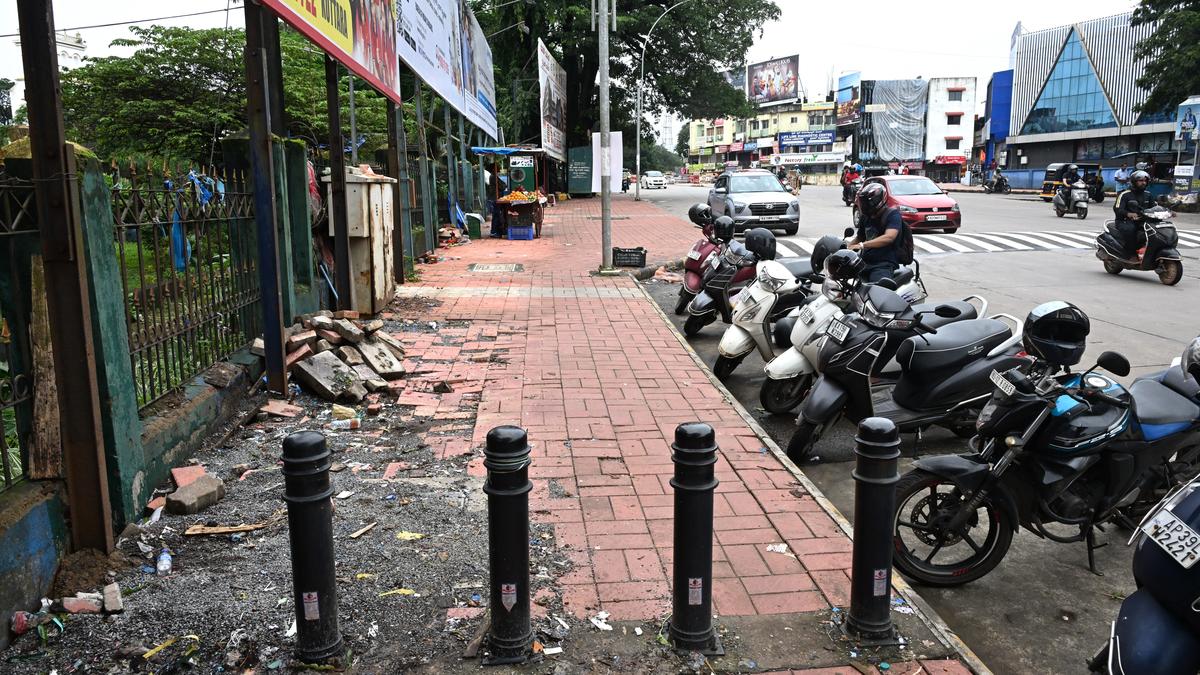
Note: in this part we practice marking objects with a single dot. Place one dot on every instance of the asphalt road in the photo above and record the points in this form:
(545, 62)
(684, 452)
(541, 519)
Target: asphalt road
(1041, 610)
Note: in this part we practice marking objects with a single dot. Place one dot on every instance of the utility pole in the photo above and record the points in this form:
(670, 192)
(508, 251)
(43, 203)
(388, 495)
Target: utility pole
(353, 126)
(605, 141)
(637, 187)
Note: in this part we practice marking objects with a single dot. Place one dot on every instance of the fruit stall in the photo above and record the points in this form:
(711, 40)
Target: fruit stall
(518, 203)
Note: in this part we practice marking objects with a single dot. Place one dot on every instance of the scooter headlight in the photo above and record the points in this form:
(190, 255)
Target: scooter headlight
(874, 317)
(770, 281)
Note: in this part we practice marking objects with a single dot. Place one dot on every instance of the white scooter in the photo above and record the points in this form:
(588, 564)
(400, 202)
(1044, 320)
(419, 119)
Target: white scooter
(1079, 201)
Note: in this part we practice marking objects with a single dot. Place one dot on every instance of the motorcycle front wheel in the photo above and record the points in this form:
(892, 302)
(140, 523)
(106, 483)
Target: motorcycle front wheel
(925, 504)
(780, 397)
(725, 365)
(685, 299)
(803, 440)
(1059, 212)
(1112, 267)
(1081, 213)
(1169, 272)
(695, 324)
(1007, 190)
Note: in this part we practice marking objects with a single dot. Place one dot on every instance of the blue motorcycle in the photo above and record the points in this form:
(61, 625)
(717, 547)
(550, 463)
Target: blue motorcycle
(1052, 448)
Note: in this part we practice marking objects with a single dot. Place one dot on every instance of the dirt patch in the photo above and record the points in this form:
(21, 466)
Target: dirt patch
(85, 572)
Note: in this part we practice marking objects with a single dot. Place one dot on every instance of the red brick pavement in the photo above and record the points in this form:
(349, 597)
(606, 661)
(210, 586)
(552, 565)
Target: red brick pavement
(600, 381)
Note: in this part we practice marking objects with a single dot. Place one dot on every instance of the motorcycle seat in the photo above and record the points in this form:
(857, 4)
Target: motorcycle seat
(903, 276)
(966, 311)
(798, 267)
(1156, 404)
(1177, 380)
(952, 345)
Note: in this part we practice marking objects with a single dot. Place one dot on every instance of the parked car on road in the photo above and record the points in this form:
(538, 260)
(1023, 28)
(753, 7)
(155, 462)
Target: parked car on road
(754, 198)
(653, 179)
(922, 204)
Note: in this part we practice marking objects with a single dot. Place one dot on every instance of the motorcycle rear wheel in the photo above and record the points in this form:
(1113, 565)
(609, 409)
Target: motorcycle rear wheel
(920, 509)
(1169, 272)
(780, 397)
(1112, 267)
(1059, 212)
(685, 299)
(695, 324)
(725, 365)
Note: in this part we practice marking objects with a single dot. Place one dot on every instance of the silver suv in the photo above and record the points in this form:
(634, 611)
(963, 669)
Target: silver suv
(755, 198)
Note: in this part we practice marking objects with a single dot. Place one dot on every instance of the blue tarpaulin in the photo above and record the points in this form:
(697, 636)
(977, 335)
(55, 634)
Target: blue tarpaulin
(506, 151)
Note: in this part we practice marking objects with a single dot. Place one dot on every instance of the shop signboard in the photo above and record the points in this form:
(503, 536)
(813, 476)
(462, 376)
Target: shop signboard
(773, 82)
(849, 94)
(357, 33)
(1187, 119)
(807, 158)
(721, 149)
(950, 159)
(818, 105)
(442, 43)
(736, 146)
(750, 146)
(579, 170)
(552, 83)
(806, 138)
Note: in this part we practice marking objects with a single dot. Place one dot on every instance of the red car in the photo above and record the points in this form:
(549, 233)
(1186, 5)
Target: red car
(922, 204)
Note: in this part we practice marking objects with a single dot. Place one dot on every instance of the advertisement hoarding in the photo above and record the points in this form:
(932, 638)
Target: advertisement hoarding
(441, 42)
(789, 158)
(357, 33)
(848, 95)
(552, 85)
(775, 81)
(1186, 119)
(736, 78)
(806, 138)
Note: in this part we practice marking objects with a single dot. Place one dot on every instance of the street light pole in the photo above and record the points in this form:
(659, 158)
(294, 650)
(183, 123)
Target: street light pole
(605, 142)
(637, 158)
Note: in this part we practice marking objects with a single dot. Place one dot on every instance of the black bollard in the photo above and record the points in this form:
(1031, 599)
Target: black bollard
(695, 457)
(876, 474)
(310, 526)
(506, 457)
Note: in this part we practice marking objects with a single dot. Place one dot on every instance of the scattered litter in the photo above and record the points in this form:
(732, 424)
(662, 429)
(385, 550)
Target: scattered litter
(637, 630)
(898, 605)
(154, 517)
(345, 494)
(344, 425)
(884, 665)
(551, 651)
(748, 664)
(163, 565)
(280, 408)
(409, 536)
(537, 647)
(600, 621)
(341, 412)
(399, 591)
(360, 532)
(780, 548)
(373, 630)
(566, 626)
(291, 629)
(361, 576)
(222, 529)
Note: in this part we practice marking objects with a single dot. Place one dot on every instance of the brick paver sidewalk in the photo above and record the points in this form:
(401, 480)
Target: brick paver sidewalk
(600, 382)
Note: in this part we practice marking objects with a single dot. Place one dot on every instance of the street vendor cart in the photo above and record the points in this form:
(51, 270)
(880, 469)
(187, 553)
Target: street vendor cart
(517, 204)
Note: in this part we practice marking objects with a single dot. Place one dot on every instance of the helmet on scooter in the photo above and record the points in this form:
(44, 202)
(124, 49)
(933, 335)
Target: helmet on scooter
(844, 265)
(1139, 177)
(823, 248)
(723, 229)
(1056, 332)
(1191, 360)
(761, 242)
(871, 199)
(700, 214)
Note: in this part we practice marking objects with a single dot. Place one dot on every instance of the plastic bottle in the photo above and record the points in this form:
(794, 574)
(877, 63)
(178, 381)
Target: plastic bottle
(342, 425)
(163, 566)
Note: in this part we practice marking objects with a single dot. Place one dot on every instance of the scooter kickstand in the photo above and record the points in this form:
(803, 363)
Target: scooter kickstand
(1091, 547)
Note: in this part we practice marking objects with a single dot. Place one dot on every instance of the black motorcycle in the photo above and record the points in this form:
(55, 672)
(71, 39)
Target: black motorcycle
(1054, 450)
(1160, 254)
(944, 365)
(998, 183)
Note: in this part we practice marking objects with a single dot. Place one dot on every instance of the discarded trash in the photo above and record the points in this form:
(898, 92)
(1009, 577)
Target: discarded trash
(23, 622)
(222, 529)
(362, 576)
(637, 630)
(291, 629)
(342, 425)
(399, 591)
(162, 566)
(884, 665)
(601, 621)
(748, 664)
(345, 494)
(409, 536)
(780, 548)
(373, 630)
(358, 533)
(167, 643)
(155, 516)
(898, 605)
(341, 412)
(551, 651)
(537, 647)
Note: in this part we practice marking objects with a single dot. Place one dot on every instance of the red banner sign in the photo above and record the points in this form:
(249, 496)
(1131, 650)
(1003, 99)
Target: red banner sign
(950, 159)
(736, 147)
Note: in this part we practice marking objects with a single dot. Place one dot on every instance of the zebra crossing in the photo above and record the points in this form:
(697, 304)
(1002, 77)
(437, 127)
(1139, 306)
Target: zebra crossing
(992, 242)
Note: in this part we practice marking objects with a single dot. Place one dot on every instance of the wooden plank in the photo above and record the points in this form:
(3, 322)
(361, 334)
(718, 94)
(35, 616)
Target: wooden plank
(45, 451)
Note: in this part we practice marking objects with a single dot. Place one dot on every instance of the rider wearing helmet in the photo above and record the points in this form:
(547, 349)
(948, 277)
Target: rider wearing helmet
(878, 233)
(1056, 332)
(1128, 207)
(1070, 176)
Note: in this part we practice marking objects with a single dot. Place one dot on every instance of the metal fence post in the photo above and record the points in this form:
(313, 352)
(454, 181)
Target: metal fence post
(695, 457)
(876, 473)
(506, 458)
(338, 210)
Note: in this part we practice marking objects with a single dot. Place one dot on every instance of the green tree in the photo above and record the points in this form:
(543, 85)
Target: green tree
(683, 140)
(1171, 53)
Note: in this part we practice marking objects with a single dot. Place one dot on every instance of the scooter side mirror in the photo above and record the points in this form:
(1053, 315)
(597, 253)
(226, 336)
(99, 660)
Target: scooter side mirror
(1114, 363)
(947, 311)
(848, 232)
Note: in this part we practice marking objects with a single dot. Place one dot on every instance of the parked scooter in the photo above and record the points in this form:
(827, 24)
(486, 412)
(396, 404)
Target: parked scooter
(698, 259)
(1054, 447)
(728, 273)
(998, 183)
(944, 366)
(1078, 198)
(1159, 253)
(791, 373)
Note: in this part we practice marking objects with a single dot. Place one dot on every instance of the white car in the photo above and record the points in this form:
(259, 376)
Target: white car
(654, 179)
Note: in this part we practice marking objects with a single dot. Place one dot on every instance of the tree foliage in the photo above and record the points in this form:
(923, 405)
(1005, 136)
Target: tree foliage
(1172, 52)
(683, 140)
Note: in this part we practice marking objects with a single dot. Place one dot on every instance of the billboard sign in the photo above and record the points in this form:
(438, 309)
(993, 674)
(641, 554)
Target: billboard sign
(357, 33)
(849, 94)
(552, 84)
(1186, 118)
(806, 137)
(775, 81)
(736, 78)
(442, 43)
(788, 158)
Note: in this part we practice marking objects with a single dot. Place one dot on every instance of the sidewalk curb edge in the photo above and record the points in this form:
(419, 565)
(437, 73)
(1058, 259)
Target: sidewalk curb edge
(926, 613)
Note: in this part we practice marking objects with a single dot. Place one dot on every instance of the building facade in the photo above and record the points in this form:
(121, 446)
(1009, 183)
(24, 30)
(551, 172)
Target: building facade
(799, 136)
(997, 108)
(891, 127)
(1075, 98)
(949, 127)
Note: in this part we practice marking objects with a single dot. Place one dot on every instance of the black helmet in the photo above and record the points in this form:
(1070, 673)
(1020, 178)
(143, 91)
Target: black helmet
(1056, 332)
(761, 243)
(871, 198)
(1072, 167)
(844, 265)
(723, 229)
(1139, 175)
(1191, 360)
(823, 248)
(700, 214)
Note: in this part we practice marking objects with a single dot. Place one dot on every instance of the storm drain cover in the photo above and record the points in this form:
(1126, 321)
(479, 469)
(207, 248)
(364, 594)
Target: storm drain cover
(493, 268)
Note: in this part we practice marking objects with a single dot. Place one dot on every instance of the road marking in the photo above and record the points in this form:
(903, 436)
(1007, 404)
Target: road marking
(1056, 239)
(1192, 238)
(797, 246)
(974, 242)
(922, 244)
(946, 241)
(1084, 239)
(1006, 242)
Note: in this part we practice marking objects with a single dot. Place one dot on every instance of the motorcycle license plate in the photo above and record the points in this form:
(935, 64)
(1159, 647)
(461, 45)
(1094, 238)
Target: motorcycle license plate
(694, 254)
(837, 330)
(1002, 383)
(937, 217)
(715, 262)
(1175, 537)
(806, 315)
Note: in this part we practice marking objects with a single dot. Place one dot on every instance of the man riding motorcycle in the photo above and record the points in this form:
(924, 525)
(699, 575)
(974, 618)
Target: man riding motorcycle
(1070, 176)
(1129, 207)
(878, 233)
(851, 174)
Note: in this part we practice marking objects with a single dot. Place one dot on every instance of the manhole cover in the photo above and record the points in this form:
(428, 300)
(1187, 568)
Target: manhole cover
(493, 268)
